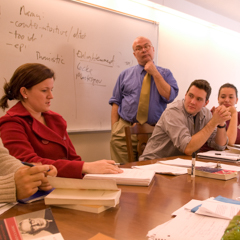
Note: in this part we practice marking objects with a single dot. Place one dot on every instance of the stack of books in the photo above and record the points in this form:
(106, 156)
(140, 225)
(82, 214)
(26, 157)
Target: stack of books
(81, 194)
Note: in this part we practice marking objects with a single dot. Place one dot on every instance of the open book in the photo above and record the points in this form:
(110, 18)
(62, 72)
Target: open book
(129, 176)
(84, 192)
(21, 227)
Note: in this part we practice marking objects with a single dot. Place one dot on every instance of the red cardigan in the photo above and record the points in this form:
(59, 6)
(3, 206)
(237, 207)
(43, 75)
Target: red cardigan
(31, 141)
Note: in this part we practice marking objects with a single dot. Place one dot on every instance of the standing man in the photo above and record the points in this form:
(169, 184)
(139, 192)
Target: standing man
(163, 89)
(186, 125)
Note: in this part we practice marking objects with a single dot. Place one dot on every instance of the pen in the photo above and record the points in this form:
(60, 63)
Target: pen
(193, 164)
(28, 164)
(116, 164)
(31, 165)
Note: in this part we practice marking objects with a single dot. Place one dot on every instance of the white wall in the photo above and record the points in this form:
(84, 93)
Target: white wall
(191, 49)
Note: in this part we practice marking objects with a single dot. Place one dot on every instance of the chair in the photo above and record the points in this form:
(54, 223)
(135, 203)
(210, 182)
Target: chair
(143, 132)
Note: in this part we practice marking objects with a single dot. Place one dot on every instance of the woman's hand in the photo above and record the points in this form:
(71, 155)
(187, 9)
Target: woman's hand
(101, 166)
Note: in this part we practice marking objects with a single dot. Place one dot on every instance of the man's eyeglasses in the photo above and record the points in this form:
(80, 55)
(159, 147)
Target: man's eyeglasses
(140, 48)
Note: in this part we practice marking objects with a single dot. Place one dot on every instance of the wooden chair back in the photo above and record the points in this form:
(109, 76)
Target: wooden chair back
(143, 132)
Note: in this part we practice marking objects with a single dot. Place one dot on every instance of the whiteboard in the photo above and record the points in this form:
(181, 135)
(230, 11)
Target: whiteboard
(87, 47)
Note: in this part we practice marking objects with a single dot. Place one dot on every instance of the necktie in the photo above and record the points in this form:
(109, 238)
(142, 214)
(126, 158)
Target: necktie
(142, 113)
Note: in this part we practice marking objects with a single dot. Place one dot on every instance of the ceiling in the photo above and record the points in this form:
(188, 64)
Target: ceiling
(227, 8)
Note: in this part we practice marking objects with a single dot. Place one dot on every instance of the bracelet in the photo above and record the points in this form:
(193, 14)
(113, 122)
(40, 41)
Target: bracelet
(221, 126)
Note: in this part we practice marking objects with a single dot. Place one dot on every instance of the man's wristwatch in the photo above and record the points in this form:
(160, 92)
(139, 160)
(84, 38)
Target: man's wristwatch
(221, 126)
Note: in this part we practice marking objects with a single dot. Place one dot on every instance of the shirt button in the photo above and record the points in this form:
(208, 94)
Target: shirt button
(45, 141)
(64, 138)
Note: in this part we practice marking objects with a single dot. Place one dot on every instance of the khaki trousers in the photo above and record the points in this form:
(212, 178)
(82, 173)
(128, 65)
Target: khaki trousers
(118, 145)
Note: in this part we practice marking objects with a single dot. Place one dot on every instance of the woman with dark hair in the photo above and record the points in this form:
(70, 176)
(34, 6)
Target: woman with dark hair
(34, 133)
(228, 96)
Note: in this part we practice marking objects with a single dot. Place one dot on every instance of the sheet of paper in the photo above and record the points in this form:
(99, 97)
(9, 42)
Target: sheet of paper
(101, 236)
(188, 206)
(152, 233)
(5, 206)
(192, 226)
(235, 147)
(71, 183)
(218, 209)
(163, 169)
(230, 167)
(188, 163)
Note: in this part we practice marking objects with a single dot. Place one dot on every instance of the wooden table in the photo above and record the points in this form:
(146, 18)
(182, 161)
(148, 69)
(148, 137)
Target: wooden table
(140, 209)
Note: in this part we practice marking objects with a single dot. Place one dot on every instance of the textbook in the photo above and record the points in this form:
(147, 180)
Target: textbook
(85, 208)
(130, 176)
(220, 155)
(83, 192)
(39, 225)
(216, 173)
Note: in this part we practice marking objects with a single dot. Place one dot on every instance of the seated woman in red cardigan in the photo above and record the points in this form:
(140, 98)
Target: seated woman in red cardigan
(33, 133)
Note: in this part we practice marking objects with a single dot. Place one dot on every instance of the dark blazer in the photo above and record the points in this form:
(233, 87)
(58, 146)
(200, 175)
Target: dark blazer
(31, 141)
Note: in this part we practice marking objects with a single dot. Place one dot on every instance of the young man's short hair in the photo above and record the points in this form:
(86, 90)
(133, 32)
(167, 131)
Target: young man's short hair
(202, 84)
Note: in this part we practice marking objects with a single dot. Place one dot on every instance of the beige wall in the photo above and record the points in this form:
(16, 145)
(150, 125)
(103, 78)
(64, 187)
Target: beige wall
(189, 48)
(92, 146)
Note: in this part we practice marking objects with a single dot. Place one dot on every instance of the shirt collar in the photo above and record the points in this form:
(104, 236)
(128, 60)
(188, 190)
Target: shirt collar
(199, 115)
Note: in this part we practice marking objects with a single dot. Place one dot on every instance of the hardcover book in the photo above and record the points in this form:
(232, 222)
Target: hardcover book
(216, 173)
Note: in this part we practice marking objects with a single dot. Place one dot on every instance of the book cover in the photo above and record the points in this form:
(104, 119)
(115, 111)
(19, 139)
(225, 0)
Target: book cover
(35, 225)
(39, 195)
